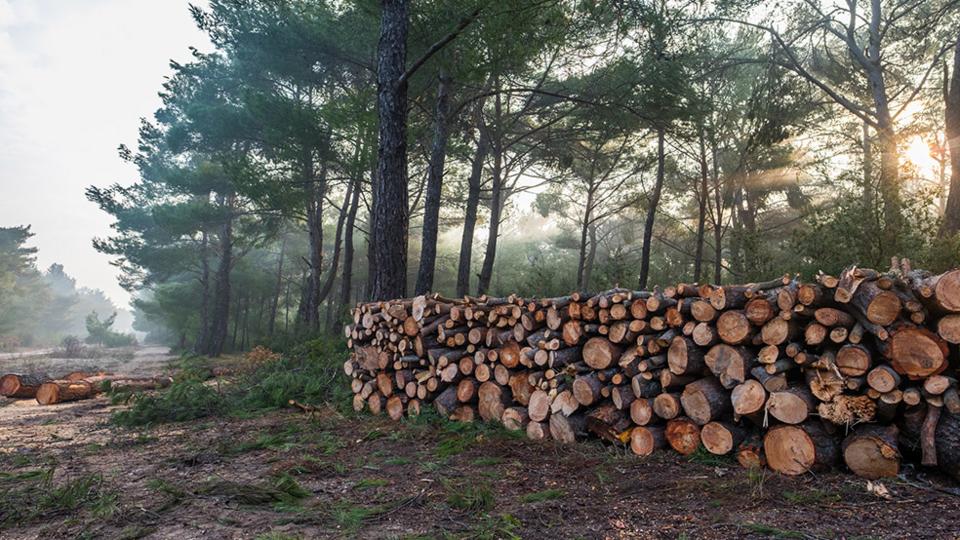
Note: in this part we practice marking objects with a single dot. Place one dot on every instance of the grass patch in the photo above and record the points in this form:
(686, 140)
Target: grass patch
(811, 497)
(34, 495)
(703, 457)
(174, 495)
(487, 461)
(277, 536)
(502, 527)
(397, 461)
(773, 532)
(368, 483)
(545, 495)
(282, 490)
(451, 446)
(351, 516)
(475, 498)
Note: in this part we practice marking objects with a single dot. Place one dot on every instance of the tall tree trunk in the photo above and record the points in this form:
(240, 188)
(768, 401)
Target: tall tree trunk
(736, 239)
(337, 248)
(346, 280)
(951, 218)
(277, 289)
(886, 134)
(203, 335)
(583, 278)
(221, 294)
(748, 237)
(869, 185)
(473, 204)
(237, 311)
(652, 209)
(591, 258)
(310, 309)
(718, 211)
(496, 200)
(246, 323)
(390, 211)
(431, 204)
(701, 211)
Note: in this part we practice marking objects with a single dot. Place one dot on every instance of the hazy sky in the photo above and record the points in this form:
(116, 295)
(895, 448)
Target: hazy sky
(75, 78)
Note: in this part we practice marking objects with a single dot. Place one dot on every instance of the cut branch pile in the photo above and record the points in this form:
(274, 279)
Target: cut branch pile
(783, 373)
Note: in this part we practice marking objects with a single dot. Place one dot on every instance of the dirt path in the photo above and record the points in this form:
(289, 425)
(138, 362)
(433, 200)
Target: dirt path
(132, 361)
(224, 478)
(25, 419)
(25, 354)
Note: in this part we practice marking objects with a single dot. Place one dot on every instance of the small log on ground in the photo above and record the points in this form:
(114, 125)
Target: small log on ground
(515, 418)
(645, 440)
(750, 453)
(21, 386)
(871, 451)
(794, 450)
(52, 392)
(493, 399)
(567, 429)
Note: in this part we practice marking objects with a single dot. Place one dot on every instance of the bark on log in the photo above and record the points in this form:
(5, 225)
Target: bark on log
(567, 429)
(704, 400)
(21, 386)
(59, 391)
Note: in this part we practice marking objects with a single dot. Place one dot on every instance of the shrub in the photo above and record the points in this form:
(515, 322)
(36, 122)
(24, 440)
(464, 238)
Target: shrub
(309, 373)
(72, 347)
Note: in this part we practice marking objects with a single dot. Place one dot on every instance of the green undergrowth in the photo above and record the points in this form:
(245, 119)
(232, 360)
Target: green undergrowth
(35, 495)
(310, 373)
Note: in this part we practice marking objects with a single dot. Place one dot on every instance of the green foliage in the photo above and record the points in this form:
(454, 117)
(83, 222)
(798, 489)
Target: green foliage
(35, 495)
(545, 495)
(308, 373)
(101, 332)
(472, 497)
(848, 231)
(184, 400)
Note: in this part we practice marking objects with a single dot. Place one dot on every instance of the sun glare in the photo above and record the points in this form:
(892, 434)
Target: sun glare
(918, 152)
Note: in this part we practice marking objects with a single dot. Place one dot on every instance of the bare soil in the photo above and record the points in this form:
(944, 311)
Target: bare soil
(366, 477)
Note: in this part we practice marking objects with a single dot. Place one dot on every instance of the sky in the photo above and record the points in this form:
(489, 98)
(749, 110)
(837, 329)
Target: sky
(75, 78)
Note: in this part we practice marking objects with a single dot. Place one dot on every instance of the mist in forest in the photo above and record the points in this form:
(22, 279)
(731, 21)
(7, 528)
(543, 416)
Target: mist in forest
(531, 147)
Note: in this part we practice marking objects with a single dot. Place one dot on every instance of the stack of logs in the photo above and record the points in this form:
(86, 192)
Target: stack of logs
(787, 374)
(73, 386)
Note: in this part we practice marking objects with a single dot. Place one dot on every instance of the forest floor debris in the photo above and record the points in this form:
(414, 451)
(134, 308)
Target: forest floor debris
(287, 474)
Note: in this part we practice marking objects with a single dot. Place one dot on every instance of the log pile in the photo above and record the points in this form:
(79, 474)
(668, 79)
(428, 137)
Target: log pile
(73, 386)
(797, 376)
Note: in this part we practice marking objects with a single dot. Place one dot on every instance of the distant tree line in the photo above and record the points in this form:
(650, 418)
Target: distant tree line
(329, 152)
(42, 308)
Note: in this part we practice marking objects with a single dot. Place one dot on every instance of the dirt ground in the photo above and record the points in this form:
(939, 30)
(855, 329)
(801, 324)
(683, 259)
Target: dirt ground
(288, 474)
